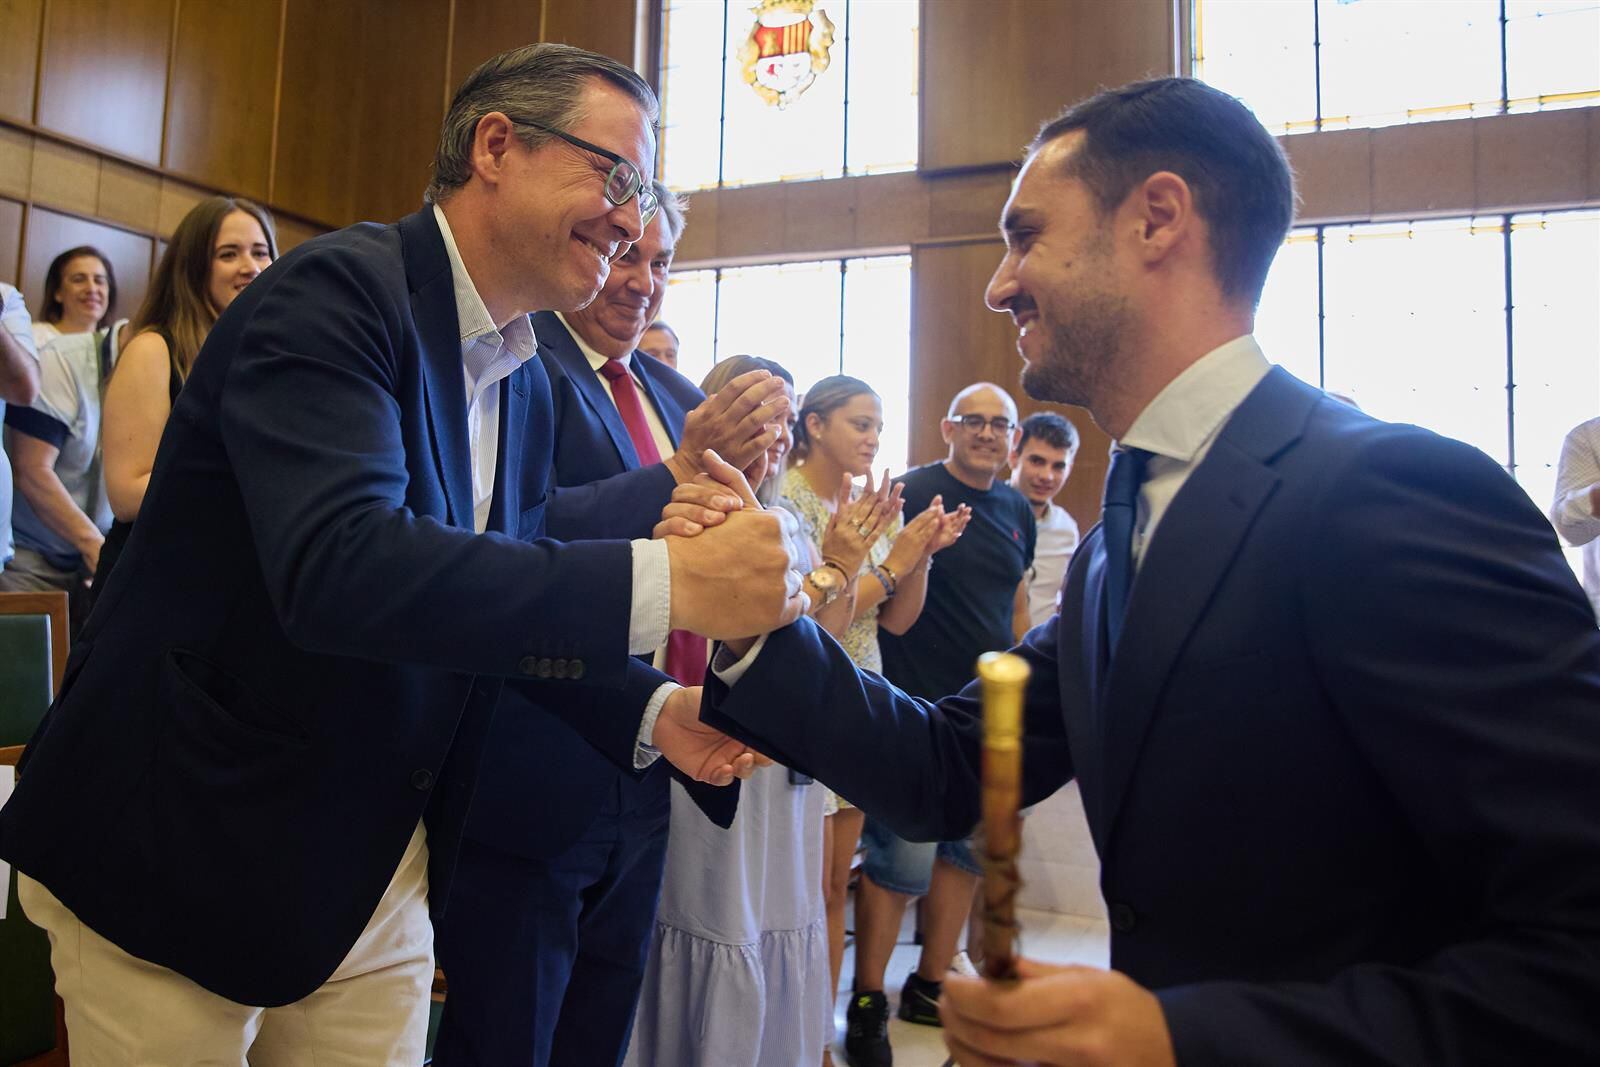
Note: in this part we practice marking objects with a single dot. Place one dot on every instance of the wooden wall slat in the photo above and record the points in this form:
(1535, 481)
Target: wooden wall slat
(105, 73)
(604, 26)
(20, 21)
(219, 104)
(50, 233)
(319, 168)
(401, 106)
(485, 28)
(994, 70)
(10, 241)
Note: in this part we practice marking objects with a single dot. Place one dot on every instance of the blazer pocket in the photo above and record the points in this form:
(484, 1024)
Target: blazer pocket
(219, 732)
(530, 524)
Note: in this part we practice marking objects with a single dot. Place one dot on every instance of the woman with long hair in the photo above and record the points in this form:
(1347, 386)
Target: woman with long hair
(80, 293)
(836, 440)
(218, 249)
(738, 964)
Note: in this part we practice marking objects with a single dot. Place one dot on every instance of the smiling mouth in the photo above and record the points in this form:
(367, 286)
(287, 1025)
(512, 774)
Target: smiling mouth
(604, 254)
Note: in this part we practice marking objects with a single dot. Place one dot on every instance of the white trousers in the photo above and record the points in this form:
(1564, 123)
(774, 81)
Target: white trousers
(125, 1012)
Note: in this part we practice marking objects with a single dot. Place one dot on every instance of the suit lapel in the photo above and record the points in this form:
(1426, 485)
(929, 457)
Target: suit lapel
(433, 307)
(507, 504)
(1195, 545)
(566, 352)
(666, 407)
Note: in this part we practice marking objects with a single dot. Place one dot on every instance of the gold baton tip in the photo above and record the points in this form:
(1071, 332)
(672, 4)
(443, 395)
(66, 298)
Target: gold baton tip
(1003, 669)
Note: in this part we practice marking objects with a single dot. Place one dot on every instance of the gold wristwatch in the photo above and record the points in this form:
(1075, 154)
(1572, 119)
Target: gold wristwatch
(829, 580)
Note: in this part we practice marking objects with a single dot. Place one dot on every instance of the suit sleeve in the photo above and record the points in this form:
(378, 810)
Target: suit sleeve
(1464, 662)
(311, 419)
(626, 505)
(911, 763)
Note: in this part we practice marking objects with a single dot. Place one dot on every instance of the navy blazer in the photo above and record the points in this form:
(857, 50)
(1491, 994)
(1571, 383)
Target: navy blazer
(301, 648)
(542, 782)
(1341, 774)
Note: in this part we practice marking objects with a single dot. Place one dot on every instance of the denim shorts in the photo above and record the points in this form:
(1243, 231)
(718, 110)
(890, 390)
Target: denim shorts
(906, 867)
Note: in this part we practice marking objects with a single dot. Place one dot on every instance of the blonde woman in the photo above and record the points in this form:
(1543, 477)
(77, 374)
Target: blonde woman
(221, 245)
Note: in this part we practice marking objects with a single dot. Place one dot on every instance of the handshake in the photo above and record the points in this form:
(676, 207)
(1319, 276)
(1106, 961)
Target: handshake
(737, 570)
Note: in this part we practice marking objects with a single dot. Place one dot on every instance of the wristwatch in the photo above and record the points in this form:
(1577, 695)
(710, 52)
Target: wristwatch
(828, 579)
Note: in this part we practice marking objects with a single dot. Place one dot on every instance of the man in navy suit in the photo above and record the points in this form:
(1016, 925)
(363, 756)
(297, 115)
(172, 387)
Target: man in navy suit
(561, 864)
(1328, 686)
(250, 789)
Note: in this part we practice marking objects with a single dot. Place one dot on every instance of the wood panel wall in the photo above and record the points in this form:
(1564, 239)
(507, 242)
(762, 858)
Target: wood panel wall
(123, 116)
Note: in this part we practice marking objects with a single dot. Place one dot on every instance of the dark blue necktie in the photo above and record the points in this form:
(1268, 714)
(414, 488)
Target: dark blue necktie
(1116, 525)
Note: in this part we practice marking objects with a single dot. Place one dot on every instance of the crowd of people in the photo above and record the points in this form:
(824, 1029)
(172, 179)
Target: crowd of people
(424, 612)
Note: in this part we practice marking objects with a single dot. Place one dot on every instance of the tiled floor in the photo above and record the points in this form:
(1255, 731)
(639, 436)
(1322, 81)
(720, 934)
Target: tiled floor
(1045, 936)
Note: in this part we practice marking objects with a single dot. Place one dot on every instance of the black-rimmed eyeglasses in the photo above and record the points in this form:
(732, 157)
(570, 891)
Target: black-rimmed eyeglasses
(624, 180)
(975, 423)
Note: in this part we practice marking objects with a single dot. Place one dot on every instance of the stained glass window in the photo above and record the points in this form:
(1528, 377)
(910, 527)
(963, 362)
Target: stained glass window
(1336, 64)
(775, 91)
(816, 318)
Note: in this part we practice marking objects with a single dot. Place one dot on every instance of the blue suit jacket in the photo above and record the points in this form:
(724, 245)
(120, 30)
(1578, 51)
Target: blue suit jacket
(1341, 773)
(300, 651)
(542, 781)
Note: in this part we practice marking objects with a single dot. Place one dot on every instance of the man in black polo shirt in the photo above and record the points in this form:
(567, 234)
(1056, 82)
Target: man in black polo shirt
(977, 596)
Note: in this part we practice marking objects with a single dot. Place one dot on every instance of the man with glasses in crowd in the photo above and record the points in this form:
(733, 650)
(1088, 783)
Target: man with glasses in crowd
(976, 597)
(249, 793)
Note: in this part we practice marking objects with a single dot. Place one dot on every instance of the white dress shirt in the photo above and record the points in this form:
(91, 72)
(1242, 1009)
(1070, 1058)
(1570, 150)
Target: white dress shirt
(14, 320)
(1180, 425)
(1573, 511)
(489, 354)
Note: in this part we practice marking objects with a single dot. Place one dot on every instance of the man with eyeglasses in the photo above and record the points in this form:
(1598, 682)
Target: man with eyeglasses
(250, 790)
(562, 854)
(976, 596)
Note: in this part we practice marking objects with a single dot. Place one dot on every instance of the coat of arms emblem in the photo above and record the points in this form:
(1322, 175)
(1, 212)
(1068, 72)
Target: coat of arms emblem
(786, 50)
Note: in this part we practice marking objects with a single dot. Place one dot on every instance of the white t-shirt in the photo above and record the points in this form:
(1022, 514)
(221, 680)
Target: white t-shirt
(1058, 539)
(14, 320)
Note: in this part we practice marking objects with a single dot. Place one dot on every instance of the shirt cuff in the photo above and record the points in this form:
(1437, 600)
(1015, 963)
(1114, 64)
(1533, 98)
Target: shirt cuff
(729, 672)
(651, 614)
(645, 753)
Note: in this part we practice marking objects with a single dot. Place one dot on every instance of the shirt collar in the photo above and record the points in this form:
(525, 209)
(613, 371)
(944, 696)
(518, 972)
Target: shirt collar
(1185, 415)
(596, 360)
(515, 337)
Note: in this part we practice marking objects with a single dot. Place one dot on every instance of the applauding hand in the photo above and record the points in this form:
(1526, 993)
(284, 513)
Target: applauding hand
(857, 524)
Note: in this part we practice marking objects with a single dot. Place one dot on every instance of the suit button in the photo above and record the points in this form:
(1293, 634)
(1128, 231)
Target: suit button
(559, 668)
(1123, 919)
(422, 780)
(546, 669)
(575, 669)
(528, 665)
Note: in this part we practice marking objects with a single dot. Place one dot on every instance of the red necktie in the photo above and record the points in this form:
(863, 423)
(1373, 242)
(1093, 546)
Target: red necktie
(686, 652)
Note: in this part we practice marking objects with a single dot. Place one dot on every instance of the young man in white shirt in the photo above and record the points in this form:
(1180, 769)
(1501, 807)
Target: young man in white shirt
(1040, 465)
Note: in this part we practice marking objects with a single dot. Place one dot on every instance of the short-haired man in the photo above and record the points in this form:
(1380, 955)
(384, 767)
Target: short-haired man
(661, 341)
(1327, 684)
(560, 867)
(250, 790)
(1040, 465)
(975, 597)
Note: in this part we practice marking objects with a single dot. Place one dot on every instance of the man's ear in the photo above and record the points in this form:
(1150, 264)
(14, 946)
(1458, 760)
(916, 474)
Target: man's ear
(491, 140)
(1163, 209)
(947, 430)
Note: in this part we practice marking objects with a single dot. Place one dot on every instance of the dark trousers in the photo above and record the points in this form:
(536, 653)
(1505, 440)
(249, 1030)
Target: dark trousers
(544, 958)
